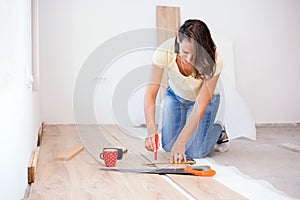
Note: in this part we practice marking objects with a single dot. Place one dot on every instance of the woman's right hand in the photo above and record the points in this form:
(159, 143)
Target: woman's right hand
(149, 105)
(150, 142)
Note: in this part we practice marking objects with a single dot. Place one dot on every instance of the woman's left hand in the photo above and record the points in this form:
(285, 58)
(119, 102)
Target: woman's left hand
(178, 152)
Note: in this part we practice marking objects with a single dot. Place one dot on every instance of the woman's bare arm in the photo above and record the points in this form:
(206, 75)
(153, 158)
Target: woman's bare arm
(149, 105)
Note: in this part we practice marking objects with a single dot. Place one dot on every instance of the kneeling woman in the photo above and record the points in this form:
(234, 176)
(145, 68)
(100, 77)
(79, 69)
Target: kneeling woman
(191, 100)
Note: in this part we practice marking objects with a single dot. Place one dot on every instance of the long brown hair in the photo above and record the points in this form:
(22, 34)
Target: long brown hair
(204, 48)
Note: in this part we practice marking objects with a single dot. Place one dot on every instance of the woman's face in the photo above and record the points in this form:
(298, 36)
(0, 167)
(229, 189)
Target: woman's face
(186, 51)
(185, 57)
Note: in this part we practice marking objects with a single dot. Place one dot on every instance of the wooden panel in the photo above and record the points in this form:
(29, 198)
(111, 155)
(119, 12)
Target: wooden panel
(167, 19)
(168, 23)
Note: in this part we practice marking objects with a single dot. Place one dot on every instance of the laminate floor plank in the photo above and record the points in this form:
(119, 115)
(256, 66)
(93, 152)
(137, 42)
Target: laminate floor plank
(199, 187)
(95, 138)
(134, 144)
(205, 188)
(80, 177)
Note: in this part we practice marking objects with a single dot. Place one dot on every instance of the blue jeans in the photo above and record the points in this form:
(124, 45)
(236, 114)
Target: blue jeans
(176, 110)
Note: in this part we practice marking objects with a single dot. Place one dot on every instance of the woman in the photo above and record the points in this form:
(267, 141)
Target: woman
(191, 100)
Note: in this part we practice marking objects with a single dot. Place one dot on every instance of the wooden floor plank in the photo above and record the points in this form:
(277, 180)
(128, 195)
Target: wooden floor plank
(205, 188)
(80, 178)
(95, 138)
(135, 147)
(199, 187)
(134, 144)
(69, 153)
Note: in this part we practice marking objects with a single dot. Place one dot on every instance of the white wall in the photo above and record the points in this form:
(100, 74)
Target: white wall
(265, 36)
(20, 115)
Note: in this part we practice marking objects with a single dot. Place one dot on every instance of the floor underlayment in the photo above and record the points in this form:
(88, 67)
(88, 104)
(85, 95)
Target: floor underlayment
(266, 159)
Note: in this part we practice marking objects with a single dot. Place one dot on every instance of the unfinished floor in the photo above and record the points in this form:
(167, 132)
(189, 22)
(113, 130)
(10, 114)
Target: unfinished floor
(263, 159)
(266, 159)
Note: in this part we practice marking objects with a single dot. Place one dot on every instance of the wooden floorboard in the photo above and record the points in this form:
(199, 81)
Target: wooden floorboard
(134, 144)
(198, 187)
(80, 178)
(205, 188)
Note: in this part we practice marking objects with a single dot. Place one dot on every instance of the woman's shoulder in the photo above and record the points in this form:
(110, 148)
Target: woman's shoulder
(164, 53)
(219, 62)
(168, 45)
(219, 58)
